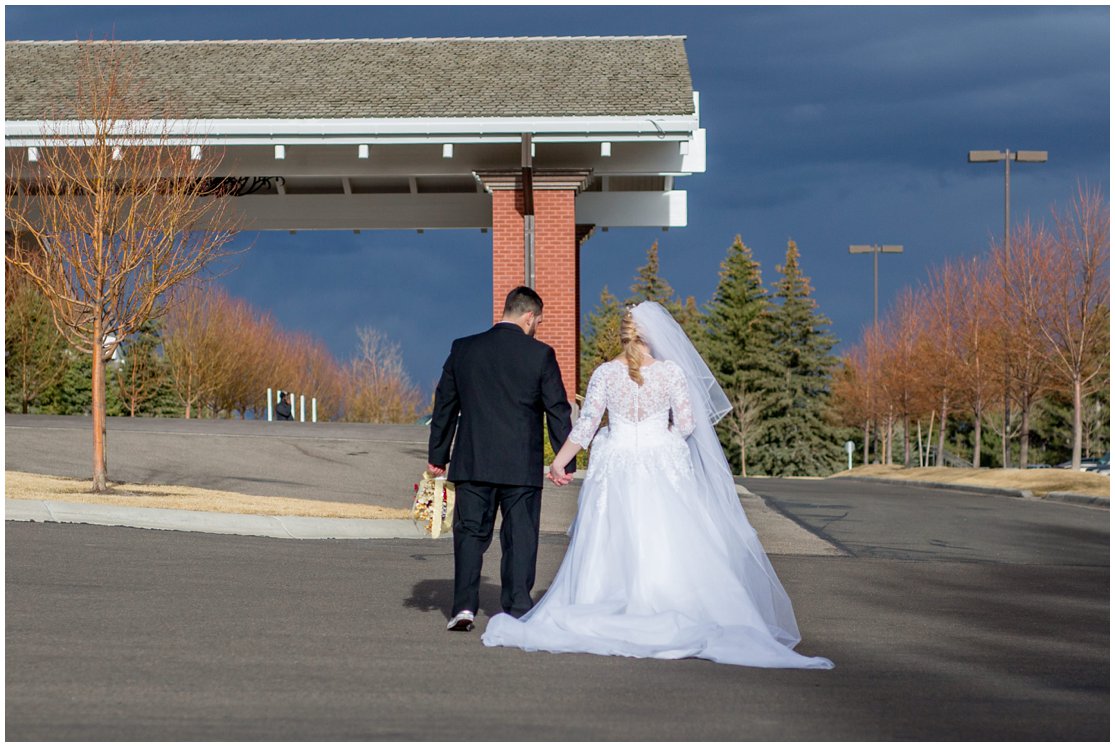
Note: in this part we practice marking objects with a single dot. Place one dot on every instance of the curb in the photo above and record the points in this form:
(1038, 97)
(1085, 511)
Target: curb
(1073, 498)
(211, 522)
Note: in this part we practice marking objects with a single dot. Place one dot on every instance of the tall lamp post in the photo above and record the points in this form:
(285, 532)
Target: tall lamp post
(1006, 156)
(875, 249)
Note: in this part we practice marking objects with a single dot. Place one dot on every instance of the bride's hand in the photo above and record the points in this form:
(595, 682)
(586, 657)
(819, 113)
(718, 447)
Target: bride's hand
(557, 475)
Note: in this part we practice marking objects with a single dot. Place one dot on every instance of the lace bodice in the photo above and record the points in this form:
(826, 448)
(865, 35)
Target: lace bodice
(664, 391)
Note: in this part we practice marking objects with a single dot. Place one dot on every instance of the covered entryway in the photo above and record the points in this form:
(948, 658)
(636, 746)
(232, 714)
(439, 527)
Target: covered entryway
(537, 140)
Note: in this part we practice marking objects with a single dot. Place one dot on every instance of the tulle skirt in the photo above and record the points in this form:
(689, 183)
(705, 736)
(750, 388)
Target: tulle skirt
(652, 571)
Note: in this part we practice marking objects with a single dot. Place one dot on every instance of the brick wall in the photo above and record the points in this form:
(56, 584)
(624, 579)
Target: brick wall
(556, 269)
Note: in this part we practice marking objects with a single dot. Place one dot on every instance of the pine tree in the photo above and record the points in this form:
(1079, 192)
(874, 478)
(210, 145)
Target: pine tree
(650, 286)
(600, 340)
(34, 349)
(797, 439)
(736, 345)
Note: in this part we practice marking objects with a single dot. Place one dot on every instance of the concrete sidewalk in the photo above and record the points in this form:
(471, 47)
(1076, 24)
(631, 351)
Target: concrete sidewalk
(779, 535)
(212, 522)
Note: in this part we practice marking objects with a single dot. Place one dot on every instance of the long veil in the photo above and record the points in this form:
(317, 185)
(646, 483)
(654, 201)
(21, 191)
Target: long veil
(668, 341)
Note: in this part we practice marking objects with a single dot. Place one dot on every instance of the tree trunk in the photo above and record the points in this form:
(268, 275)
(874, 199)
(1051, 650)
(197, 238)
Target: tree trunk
(890, 440)
(906, 441)
(929, 438)
(941, 436)
(1006, 427)
(100, 471)
(979, 439)
(743, 460)
(921, 451)
(1024, 438)
(866, 442)
(1077, 408)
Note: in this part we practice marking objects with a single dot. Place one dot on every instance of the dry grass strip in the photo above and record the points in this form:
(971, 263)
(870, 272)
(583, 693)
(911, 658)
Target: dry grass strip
(1037, 481)
(26, 486)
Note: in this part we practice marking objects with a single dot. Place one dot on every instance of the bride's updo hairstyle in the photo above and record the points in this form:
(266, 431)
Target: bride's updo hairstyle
(632, 347)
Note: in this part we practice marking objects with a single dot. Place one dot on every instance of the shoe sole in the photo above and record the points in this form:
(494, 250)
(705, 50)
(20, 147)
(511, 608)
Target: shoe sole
(462, 627)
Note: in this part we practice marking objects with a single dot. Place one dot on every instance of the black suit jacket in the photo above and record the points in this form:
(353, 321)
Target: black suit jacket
(499, 383)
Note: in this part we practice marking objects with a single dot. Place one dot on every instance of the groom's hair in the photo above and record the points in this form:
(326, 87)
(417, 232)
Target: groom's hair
(520, 301)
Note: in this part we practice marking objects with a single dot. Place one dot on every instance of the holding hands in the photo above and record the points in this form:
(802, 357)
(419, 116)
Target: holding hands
(557, 475)
(566, 454)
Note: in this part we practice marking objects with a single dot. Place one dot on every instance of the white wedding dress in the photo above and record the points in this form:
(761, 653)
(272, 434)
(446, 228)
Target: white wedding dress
(656, 567)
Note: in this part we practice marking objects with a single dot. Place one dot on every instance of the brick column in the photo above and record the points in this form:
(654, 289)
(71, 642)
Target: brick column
(556, 258)
(557, 281)
(507, 247)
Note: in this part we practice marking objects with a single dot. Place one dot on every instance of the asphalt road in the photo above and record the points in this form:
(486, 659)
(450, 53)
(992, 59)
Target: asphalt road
(130, 634)
(868, 519)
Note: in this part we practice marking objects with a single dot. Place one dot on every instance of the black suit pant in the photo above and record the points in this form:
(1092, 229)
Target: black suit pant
(473, 524)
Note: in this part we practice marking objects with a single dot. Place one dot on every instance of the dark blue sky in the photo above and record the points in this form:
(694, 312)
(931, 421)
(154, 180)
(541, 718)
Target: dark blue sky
(831, 126)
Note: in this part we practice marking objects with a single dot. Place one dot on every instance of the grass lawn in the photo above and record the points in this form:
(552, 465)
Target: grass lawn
(25, 486)
(1037, 481)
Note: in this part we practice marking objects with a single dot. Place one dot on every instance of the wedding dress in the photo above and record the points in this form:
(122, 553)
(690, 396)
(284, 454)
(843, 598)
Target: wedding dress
(662, 562)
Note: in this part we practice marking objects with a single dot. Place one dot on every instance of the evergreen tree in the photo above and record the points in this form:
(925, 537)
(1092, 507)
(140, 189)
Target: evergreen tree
(142, 372)
(736, 344)
(797, 439)
(600, 339)
(73, 394)
(651, 286)
(34, 349)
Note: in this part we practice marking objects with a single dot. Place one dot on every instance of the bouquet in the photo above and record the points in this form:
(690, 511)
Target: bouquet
(434, 498)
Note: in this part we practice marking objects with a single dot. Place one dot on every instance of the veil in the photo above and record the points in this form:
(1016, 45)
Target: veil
(668, 341)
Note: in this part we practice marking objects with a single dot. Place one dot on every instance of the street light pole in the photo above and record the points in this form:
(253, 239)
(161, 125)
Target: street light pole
(1006, 156)
(875, 249)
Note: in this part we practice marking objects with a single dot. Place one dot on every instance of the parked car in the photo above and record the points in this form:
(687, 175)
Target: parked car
(1103, 466)
(1038, 466)
(1085, 464)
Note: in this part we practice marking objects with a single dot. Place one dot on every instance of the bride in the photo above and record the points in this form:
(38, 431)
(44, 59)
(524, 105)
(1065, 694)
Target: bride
(662, 561)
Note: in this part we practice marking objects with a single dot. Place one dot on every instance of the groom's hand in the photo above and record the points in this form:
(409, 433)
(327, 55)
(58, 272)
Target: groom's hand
(435, 471)
(558, 476)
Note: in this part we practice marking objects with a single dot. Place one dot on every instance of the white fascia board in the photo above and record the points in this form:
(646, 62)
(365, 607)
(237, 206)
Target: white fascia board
(390, 131)
(694, 161)
(633, 209)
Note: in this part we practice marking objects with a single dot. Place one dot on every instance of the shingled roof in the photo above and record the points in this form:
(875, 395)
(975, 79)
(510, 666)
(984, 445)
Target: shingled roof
(373, 78)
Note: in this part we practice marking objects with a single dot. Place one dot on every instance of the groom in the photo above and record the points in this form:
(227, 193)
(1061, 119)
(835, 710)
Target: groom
(500, 383)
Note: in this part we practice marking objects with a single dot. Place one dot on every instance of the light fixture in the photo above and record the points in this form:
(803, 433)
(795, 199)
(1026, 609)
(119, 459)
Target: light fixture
(447, 150)
(605, 150)
(362, 150)
(280, 152)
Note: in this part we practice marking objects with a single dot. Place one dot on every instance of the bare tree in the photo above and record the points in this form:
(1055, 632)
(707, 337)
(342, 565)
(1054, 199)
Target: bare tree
(1074, 316)
(379, 390)
(743, 422)
(140, 375)
(195, 346)
(1024, 278)
(112, 214)
(942, 303)
(974, 323)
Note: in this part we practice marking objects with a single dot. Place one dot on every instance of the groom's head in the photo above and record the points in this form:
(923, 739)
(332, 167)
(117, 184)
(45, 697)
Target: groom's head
(524, 308)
